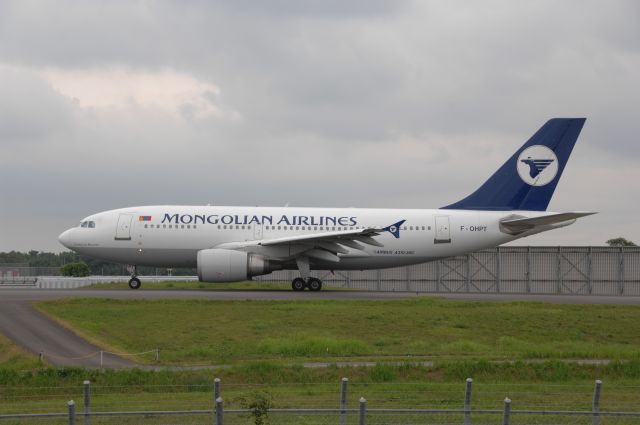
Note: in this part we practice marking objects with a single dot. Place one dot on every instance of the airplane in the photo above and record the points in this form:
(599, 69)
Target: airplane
(237, 243)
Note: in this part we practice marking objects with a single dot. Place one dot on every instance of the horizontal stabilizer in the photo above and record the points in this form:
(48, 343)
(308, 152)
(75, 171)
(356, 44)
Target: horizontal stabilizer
(517, 224)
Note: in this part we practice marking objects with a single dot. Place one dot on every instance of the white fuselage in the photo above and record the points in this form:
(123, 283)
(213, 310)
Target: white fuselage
(171, 236)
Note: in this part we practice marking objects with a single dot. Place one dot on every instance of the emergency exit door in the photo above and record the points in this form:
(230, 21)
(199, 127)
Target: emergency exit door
(123, 230)
(443, 233)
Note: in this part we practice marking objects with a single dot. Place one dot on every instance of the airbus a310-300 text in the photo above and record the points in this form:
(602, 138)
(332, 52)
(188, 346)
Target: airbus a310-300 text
(236, 243)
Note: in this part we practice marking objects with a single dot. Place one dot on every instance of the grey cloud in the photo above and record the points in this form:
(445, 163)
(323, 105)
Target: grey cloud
(340, 104)
(30, 110)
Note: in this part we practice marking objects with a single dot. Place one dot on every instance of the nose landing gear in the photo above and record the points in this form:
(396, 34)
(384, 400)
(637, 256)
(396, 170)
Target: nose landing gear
(134, 282)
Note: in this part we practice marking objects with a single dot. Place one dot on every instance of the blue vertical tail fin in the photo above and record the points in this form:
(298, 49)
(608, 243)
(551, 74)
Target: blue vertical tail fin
(528, 179)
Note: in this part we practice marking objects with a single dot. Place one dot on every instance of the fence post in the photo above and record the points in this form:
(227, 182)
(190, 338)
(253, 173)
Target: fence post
(467, 402)
(559, 272)
(363, 410)
(41, 356)
(621, 273)
(157, 355)
(595, 419)
(71, 407)
(87, 401)
(379, 279)
(589, 279)
(219, 411)
(343, 401)
(507, 411)
(528, 269)
(498, 275)
(216, 389)
(101, 358)
(438, 276)
(467, 273)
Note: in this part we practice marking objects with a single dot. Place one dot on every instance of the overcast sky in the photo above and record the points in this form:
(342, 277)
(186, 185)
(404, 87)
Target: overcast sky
(368, 103)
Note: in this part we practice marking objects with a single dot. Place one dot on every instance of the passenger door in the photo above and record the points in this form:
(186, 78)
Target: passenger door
(123, 230)
(443, 233)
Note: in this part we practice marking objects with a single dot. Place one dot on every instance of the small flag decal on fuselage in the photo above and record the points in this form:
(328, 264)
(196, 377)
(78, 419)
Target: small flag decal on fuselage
(145, 218)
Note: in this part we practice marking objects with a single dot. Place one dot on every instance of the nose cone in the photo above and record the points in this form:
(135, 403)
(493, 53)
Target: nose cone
(65, 238)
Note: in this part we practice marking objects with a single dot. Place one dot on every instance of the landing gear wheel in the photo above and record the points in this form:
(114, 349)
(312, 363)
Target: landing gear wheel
(298, 284)
(314, 284)
(134, 283)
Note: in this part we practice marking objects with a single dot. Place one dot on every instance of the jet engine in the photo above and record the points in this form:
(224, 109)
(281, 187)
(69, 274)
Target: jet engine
(225, 265)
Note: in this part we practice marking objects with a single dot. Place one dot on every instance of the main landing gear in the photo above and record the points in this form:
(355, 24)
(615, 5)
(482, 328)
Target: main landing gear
(134, 282)
(299, 284)
(305, 281)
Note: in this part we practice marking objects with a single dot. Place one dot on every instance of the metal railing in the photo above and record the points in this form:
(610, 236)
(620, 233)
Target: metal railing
(363, 412)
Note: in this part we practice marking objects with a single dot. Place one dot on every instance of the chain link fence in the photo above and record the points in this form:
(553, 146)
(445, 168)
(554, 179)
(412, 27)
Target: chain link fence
(535, 270)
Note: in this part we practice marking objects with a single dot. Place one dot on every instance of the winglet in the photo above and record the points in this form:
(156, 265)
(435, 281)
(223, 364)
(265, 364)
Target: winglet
(394, 229)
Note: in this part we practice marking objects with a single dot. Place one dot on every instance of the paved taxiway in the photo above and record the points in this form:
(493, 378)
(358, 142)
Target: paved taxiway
(35, 332)
(13, 295)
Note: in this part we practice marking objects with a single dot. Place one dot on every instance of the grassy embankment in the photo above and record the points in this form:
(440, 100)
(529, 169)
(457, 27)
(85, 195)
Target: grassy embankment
(206, 332)
(14, 358)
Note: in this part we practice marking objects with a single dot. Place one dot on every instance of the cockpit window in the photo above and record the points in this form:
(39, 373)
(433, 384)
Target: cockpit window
(83, 224)
(92, 224)
(89, 224)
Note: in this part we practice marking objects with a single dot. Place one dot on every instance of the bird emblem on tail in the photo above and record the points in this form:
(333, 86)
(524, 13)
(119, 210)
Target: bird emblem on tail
(536, 166)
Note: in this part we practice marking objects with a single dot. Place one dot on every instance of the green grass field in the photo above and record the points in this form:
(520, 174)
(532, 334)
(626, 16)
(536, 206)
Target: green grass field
(12, 357)
(205, 332)
(266, 342)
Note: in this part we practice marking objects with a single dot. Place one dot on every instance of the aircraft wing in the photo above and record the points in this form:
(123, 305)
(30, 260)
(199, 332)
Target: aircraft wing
(517, 224)
(325, 245)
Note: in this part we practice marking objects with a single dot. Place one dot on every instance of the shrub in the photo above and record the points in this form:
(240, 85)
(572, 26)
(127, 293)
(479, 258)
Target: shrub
(75, 270)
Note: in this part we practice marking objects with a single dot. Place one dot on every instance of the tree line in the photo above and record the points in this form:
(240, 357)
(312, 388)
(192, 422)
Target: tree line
(98, 267)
